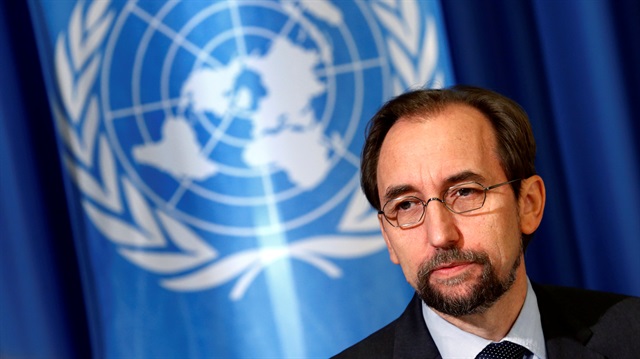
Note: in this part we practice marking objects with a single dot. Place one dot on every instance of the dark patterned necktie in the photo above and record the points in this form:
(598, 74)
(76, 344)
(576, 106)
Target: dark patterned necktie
(503, 350)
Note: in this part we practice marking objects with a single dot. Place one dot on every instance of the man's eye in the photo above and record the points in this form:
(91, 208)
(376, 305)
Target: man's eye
(465, 192)
(405, 205)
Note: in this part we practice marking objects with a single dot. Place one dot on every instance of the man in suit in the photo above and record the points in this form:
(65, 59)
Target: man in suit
(451, 173)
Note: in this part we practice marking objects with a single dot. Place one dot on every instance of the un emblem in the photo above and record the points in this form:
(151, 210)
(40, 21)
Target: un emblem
(192, 125)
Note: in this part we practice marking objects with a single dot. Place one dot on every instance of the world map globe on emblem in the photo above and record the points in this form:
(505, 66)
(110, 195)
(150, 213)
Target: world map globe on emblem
(225, 116)
(280, 117)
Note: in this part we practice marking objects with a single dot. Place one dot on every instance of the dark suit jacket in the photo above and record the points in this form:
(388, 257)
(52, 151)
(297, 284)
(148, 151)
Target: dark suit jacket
(576, 324)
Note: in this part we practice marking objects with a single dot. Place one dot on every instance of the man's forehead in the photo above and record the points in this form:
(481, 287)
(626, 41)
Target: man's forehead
(441, 146)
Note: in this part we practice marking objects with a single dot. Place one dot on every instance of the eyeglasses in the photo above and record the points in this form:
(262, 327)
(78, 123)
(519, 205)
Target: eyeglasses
(408, 211)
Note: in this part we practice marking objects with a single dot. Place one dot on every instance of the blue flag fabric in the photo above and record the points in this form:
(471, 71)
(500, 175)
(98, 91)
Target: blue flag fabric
(212, 153)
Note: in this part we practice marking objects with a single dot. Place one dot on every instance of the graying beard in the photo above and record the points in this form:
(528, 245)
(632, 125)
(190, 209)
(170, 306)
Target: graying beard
(482, 297)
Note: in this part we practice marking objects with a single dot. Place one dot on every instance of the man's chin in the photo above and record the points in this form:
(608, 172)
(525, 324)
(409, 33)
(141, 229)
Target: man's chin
(456, 295)
(454, 289)
(455, 300)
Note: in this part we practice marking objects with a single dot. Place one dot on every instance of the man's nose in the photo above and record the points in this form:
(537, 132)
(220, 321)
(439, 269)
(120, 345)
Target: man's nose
(440, 223)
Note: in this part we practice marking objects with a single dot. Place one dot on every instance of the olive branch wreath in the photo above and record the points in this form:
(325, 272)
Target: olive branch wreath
(194, 265)
(412, 49)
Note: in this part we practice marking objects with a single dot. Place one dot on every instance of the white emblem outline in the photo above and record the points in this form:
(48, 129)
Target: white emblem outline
(108, 198)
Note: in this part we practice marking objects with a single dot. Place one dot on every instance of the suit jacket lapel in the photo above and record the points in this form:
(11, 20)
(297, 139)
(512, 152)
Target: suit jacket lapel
(412, 339)
(565, 335)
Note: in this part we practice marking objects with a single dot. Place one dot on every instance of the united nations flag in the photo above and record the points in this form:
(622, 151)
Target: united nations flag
(213, 151)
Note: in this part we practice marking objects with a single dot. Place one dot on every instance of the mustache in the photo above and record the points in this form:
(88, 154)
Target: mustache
(452, 255)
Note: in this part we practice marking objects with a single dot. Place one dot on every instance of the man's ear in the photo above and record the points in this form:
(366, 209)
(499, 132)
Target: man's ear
(392, 252)
(531, 203)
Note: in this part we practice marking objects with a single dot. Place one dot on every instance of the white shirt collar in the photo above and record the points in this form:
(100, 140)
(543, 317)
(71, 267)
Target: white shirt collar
(526, 331)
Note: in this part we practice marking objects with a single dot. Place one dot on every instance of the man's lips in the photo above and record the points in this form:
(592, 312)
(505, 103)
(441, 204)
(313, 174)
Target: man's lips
(453, 264)
(453, 268)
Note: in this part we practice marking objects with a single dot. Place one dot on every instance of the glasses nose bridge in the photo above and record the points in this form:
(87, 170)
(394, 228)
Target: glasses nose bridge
(426, 203)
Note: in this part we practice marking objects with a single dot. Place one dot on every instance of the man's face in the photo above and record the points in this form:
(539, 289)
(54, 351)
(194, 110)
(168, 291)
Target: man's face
(451, 259)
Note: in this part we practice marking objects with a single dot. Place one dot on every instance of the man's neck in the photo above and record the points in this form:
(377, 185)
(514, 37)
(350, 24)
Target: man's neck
(495, 322)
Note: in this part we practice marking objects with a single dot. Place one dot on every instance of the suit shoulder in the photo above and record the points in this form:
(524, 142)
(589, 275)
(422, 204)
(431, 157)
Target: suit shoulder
(590, 304)
(377, 345)
(603, 312)
(585, 323)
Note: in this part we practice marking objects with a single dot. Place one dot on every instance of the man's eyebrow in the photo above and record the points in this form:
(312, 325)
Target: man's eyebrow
(397, 191)
(464, 176)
